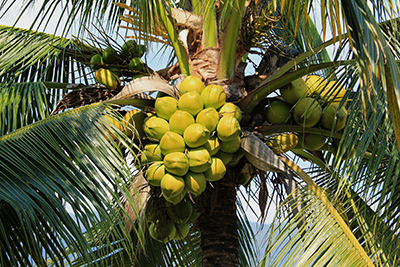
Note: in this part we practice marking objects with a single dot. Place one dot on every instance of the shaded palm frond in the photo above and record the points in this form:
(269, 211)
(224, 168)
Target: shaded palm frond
(59, 177)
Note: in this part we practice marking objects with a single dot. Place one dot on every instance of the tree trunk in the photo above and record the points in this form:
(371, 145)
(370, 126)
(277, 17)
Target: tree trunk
(218, 224)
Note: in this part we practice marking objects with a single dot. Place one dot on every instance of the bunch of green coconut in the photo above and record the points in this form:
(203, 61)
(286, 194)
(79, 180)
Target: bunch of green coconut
(310, 103)
(110, 65)
(192, 141)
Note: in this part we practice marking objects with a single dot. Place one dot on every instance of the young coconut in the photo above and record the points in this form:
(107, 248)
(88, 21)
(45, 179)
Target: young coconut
(216, 171)
(176, 163)
(96, 62)
(199, 159)
(294, 91)
(195, 183)
(278, 112)
(180, 213)
(231, 146)
(151, 152)
(191, 102)
(191, 83)
(162, 231)
(136, 119)
(213, 96)
(312, 141)
(228, 128)
(155, 173)
(282, 143)
(230, 109)
(107, 78)
(196, 135)
(175, 199)
(110, 55)
(307, 112)
(172, 185)
(213, 145)
(179, 121)
(155, 127)
(208, 117)
(172, 142)
(334, 118)
(165, 107)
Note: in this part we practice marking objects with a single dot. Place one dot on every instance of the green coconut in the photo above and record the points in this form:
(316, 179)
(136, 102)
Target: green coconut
(196, 135)
(113, 123)
(315, 85)
(180, 120)
(334, 118)
(278, 112)
(191, 83)
(155, 127)
(133, 121)
(294, 91)
(162, 231)
(115, 70)
(216, 171)
(307, 112)
(195, 183)
(96, 62)
(141, 50)
(180, 213)
(155, 173)
(107, 78)
(110, 55)
(129, 49)
(312, 141)
(175, 199)
(182, 231)
(191, 102)
(225, 157)
(136, 64)
(172, 185)
(208, 117)
(230, 109)
(213, 145)
(231, 146)
(199, 159)
(228, 128)
(151, 152)
(176, 163)
(165, 107)
(282, 143)
(172, 142)
(213, 96)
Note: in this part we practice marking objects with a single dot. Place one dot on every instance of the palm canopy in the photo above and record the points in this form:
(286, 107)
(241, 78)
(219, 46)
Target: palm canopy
(73, 170)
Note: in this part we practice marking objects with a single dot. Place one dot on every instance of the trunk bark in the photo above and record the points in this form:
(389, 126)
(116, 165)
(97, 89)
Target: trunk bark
(218, 224)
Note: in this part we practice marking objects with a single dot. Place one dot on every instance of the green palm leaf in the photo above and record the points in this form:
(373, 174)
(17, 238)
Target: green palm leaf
(63, 160)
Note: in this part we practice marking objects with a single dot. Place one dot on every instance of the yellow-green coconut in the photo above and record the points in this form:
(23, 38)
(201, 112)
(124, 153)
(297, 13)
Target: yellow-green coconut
(196, 135)
(216, 171)
(176, 163)
(195, 182)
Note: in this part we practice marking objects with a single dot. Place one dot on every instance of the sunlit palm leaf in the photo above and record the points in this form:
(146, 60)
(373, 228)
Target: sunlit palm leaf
(63, 160)
(321, 241)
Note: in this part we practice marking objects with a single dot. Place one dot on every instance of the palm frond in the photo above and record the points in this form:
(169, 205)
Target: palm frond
(60, 176)
(321, 241)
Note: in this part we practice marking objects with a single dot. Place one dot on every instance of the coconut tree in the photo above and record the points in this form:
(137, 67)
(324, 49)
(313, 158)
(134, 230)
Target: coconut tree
(73, 187)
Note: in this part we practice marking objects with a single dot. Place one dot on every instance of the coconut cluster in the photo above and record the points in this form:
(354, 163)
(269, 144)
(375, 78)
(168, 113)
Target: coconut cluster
(311, 102)
(174, 223)
(110, 65)
(192, 140)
